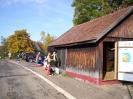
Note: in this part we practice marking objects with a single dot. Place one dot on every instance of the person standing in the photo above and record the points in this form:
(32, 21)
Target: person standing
(37, 57)
(48, 58)
(48, 67)
(9, 55)
(54, 59)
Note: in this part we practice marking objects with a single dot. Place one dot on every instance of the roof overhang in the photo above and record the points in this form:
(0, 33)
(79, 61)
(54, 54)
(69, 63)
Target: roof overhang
(102, 34)
(92, 41)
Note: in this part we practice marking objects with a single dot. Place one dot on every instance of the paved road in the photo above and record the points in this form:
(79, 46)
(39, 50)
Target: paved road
(17, 83)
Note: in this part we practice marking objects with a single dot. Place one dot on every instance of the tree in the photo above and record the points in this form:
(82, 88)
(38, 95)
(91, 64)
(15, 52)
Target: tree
(46, 40)
(3, 40)
(3, 47)
(86, 10)
(20, 41)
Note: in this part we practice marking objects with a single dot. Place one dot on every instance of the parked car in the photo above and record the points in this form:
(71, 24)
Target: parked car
(29, 57)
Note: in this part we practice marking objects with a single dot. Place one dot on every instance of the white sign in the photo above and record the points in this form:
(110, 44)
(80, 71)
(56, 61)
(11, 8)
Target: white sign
(125, 60)
(125, 44)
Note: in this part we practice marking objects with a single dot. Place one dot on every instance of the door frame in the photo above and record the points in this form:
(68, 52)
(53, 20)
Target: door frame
(105, 59)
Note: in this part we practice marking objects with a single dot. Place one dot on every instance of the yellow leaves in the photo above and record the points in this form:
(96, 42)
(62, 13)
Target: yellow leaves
(42, 46)
(47, 39)
(29, 49)
(19, 41)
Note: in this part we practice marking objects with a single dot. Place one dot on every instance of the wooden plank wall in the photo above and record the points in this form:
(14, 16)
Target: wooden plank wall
(82, 61)
(124, 30)
(99, 60)
(81, 58)
(61, 58)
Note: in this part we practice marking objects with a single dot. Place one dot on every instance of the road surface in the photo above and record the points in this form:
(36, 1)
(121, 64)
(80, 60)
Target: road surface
(17, 83)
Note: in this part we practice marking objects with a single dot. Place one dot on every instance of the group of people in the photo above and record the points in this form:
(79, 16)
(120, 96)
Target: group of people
(49, 61)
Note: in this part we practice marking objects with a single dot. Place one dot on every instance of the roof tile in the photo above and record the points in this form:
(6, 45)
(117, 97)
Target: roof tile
(89, 30)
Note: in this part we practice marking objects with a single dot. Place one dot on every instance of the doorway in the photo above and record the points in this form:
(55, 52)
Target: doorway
(108, 61)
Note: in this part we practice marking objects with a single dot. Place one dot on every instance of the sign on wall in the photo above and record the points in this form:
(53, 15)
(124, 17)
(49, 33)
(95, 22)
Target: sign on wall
(125, 60)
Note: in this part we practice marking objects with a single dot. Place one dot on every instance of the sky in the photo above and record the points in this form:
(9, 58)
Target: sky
(51, 16)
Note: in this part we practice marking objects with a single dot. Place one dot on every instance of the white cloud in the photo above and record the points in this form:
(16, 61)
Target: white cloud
(10, 2)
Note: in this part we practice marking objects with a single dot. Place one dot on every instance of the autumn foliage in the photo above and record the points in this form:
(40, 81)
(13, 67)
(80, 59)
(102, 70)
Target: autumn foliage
(20, 41)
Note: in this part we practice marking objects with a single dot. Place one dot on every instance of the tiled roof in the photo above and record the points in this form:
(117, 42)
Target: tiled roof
(90, 30)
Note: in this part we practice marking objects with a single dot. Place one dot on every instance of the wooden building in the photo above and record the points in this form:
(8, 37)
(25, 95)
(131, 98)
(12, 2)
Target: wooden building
(87, 51)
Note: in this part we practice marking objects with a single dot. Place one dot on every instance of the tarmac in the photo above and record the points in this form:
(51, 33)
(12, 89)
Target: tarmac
(85, 90)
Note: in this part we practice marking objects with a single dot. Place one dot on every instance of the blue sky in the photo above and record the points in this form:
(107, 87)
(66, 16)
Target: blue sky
(51, 16)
